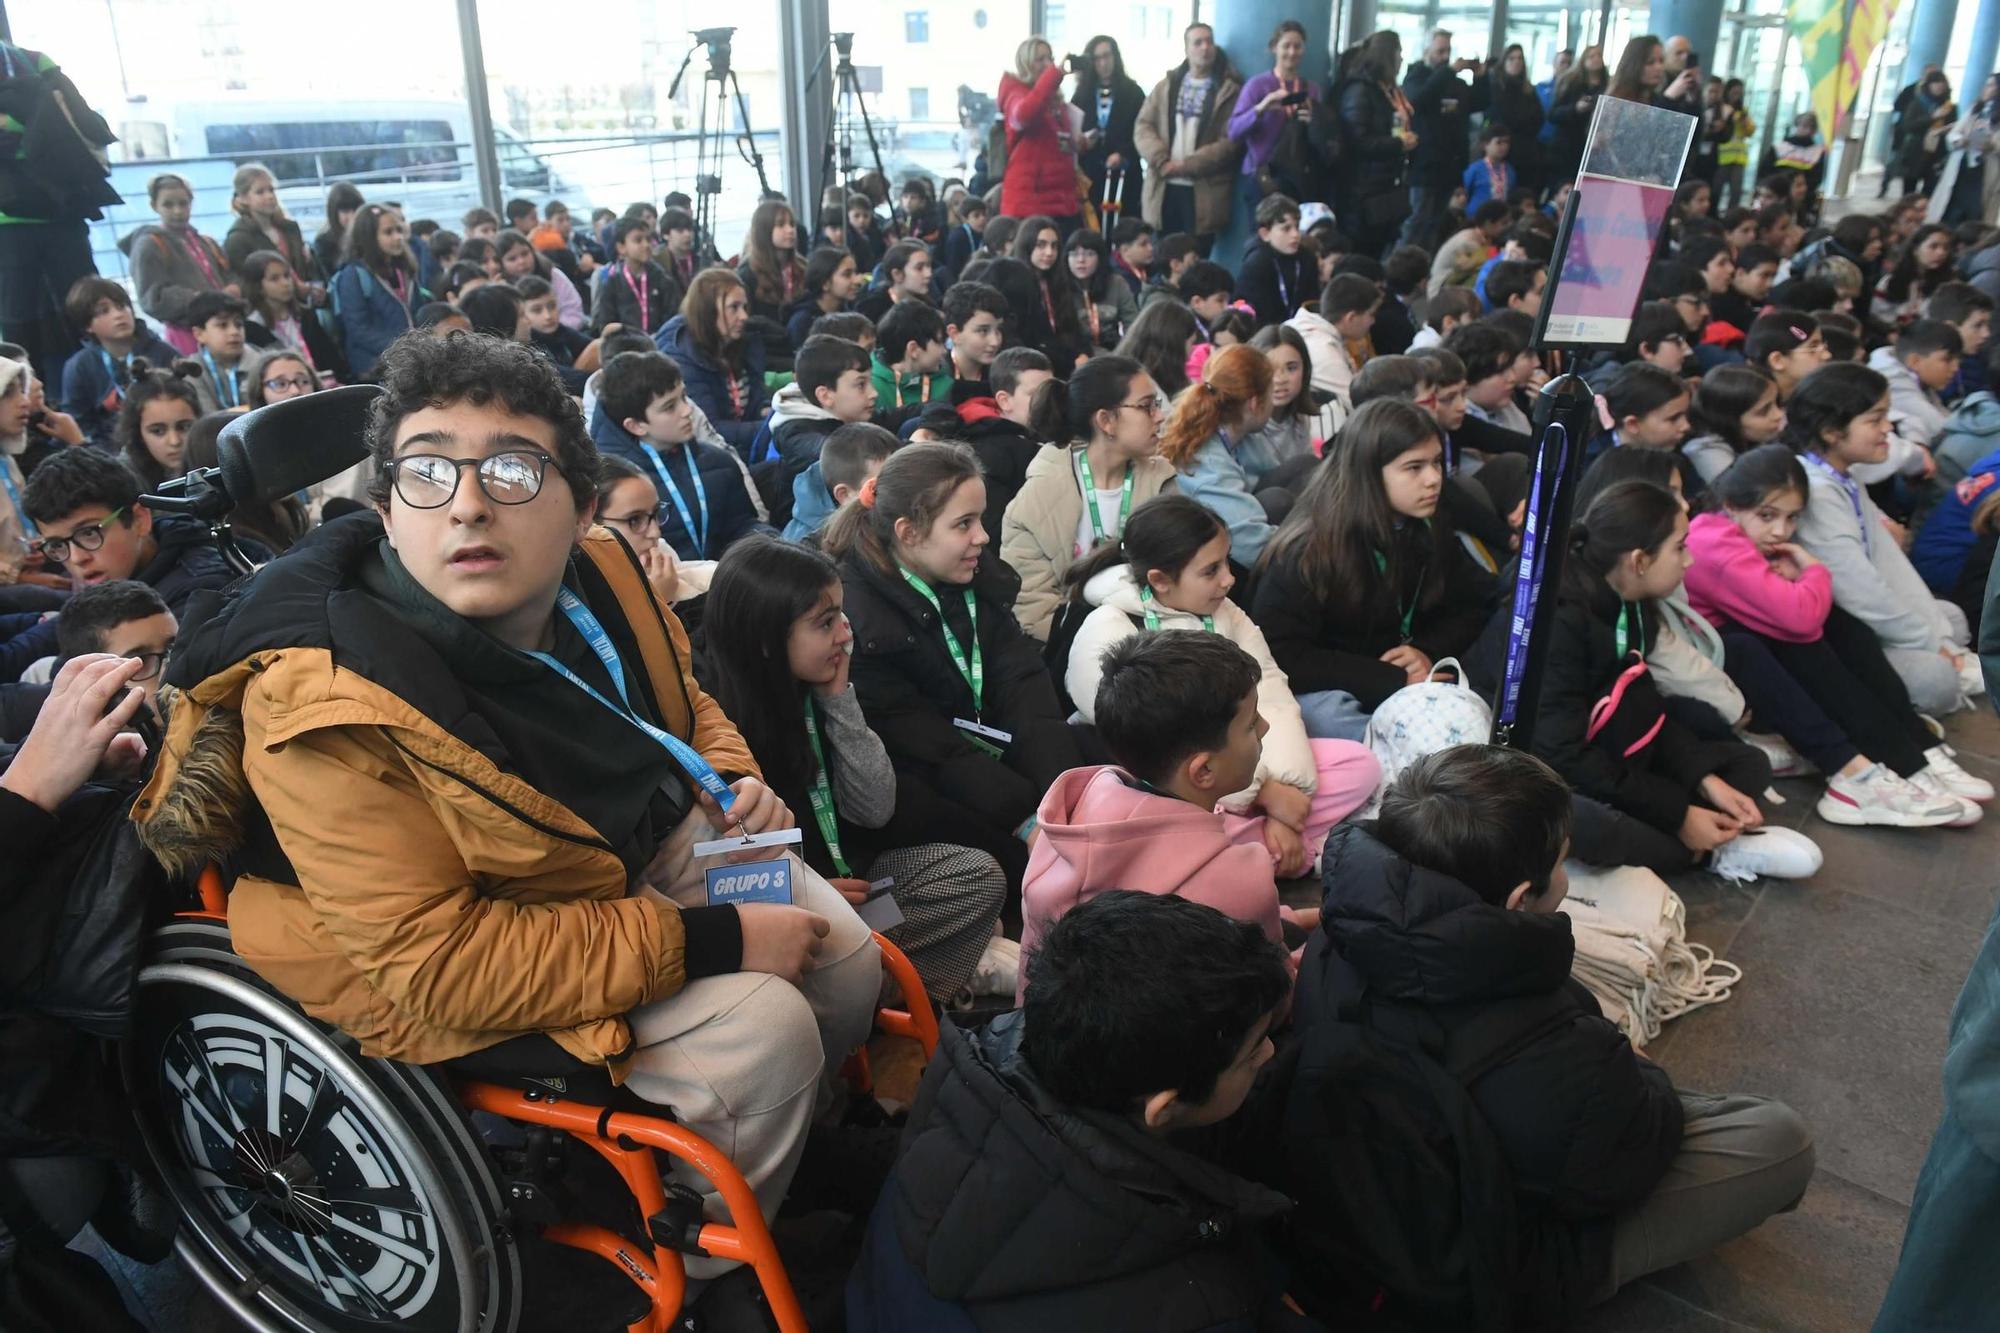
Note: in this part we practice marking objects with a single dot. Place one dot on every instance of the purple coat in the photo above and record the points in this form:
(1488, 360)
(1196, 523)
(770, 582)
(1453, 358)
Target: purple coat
(1258, 133)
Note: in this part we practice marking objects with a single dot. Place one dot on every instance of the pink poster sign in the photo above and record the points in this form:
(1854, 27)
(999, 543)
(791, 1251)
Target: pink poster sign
(1603, 273)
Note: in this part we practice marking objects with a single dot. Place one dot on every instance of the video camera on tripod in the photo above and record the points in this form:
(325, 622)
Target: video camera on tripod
(718, 85)
(837, 161)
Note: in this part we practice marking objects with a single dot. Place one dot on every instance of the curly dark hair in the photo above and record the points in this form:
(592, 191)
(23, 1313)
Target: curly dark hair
(420, 371)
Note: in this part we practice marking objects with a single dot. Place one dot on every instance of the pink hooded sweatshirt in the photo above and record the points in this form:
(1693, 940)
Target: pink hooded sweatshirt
(1099, 832)
(1732, 583)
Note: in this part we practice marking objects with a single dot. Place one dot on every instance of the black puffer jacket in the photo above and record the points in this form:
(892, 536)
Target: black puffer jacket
(1587, 1127)
(1442, 103)
(911, 689)
(1374, 155)
(187, 561)
(1009, 1211)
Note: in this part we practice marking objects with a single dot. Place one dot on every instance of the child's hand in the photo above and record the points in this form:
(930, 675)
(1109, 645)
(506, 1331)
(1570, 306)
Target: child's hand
(854, 890)
(1732, 802)
(1797, 556)
(1415, 665)
(780, 939)
(1704, 830)
(1287, 849)
(836, 687)
(61, 425)
(662, 570)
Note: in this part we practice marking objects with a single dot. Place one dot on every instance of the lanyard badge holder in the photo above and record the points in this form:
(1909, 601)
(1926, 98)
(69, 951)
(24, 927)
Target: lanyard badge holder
(750, 881)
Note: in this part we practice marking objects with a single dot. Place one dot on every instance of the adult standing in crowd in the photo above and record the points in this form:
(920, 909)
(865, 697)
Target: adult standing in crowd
(1110, 102)
(1683, 74)
(1041, 139)
(1969, 190)
(1442, 103)
(52, 180)
(1183, 133)
(1271, 114)
(1375, 119)
(1514, 103)
(1641, 76)
(1920, 133)
(1570, 111)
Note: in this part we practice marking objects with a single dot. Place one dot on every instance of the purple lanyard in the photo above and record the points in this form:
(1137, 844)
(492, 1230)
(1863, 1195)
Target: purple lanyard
(1853, 489)
(1528, 581)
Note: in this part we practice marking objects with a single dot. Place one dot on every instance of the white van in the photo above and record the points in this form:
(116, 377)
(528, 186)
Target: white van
(416, 152)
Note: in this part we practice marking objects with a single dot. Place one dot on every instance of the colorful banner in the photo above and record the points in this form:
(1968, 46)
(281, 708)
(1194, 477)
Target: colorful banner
(1836, 38)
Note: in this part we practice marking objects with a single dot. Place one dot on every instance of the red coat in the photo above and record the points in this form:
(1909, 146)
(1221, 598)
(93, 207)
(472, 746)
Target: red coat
(1041, 151)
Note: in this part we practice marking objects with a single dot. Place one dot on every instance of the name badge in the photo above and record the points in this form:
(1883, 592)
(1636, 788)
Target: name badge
(979, 729)
(750, 882)
(725, 846)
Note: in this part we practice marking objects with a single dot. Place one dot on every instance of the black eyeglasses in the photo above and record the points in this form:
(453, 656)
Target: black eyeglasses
(429, 481)
(89, 537)
(149, 663)
(639, 521)
(299, 382)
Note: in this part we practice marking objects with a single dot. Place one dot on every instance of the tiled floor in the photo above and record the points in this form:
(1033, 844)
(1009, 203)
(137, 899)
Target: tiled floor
(1848, 983)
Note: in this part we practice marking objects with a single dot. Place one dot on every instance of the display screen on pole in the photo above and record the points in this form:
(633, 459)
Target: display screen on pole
(1631, 167)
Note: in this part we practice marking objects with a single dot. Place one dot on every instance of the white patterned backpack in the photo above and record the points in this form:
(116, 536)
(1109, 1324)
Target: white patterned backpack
(1426, 717)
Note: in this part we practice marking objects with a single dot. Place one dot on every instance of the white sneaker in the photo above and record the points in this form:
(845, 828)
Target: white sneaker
(1766, 853)
(1878, 796)
(1927, 782)
(1941, 766)
(999, 969)
(1785, 761)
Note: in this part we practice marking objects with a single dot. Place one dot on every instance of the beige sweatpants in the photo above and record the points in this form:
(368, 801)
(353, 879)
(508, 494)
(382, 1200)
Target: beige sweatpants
(740, 1058)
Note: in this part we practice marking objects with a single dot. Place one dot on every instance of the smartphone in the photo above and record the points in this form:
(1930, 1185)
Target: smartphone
(1296, 99)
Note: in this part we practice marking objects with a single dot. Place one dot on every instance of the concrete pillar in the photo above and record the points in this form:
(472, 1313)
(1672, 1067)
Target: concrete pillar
(803, 56)
(1700, 21)
(1930, 39)
(1243, 29)
(485, 154)
(1979, 56)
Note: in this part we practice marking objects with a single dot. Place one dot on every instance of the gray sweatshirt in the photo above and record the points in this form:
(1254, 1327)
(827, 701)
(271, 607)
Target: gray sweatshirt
(864, 783)
(1872, 580)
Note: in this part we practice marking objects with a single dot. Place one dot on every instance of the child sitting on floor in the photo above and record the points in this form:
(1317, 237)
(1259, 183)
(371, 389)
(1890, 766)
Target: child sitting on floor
(1039, 1186)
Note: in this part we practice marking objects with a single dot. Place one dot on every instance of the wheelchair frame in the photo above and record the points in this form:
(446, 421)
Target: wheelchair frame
(626, 1141)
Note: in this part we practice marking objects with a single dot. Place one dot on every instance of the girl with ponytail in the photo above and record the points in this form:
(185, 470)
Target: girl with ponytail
(777, 654)
(1363, 587)
(1171, 571)
(1104, 425)
(1209, 422)
(1603, 725)
(957, 693)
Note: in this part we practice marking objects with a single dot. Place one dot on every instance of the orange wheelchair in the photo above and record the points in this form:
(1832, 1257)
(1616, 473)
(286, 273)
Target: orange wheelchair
(327, 1191)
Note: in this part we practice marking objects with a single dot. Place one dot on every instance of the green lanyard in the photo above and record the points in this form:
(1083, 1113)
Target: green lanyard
(1409, 612)
(1153, 617)
(1090, 497)
(972, 668)
(822, 794)
(1628, 612)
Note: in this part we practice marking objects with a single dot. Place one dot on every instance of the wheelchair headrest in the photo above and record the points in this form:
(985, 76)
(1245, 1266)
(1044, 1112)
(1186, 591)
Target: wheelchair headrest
(284, 447)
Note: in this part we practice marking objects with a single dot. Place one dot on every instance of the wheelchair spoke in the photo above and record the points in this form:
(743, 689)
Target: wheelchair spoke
(391, 1198)
(366, 1294)
(215, 1184)
(326, 1102)
(195, 1100)
(320, 1279)
(277, 1055)
(200, 1054)
(395, 1245)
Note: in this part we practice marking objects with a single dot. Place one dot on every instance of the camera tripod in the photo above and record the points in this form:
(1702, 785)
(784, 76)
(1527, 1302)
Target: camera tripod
(718, 85)
(849, 108)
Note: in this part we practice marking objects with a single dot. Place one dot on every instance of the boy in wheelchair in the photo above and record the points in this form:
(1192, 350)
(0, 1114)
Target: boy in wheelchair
(455, 752)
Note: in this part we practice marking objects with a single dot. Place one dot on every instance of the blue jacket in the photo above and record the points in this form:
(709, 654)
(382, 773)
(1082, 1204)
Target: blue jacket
(1214, 477)
(1478, 182)
(708, 384)
(92, 391)
(25, 639)
(1941, 546)
(1946, 1279)
(730, 513)
(368, 314)
(812, 504)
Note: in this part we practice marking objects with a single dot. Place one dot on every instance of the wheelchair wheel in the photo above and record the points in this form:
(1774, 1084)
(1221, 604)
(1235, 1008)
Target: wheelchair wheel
(320, 1190)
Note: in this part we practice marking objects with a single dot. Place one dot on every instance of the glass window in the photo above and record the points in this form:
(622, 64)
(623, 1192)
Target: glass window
(1148, 35)
(916, 27)
(920, 104)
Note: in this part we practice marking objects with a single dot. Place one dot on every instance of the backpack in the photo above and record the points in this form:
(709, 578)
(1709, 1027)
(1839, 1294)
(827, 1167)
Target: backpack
(1406, 1216)
(1424, 718)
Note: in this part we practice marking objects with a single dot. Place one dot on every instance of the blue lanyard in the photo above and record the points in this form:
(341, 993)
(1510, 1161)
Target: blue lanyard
(1533, 568)
(221, 381)
(1853, 490)
(14, 496)
(111, 369)
(600, 643)
(699, 536)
